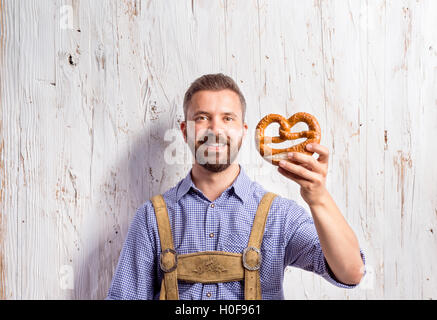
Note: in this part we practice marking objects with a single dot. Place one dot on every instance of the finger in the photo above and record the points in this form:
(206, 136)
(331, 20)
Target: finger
(298, 170)
(321, 150)
(306, 161)
(292, 176)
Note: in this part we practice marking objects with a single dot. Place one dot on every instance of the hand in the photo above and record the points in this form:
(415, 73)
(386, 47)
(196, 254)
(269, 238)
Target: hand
(308, 172)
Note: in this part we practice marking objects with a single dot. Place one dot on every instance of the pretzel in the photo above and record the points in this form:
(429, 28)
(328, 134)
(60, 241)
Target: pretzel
(273, 156)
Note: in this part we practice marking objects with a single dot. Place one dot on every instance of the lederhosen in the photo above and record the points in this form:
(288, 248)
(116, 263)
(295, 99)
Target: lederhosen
(211, 266)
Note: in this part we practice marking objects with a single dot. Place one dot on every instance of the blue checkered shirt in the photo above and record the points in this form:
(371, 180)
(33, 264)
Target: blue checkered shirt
(197, 224)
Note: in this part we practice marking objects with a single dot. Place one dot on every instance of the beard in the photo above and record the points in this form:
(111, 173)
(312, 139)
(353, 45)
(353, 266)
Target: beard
(216, 159)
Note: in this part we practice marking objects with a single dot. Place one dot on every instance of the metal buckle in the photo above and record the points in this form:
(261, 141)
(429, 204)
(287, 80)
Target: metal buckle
(257, 266)
(175, 260)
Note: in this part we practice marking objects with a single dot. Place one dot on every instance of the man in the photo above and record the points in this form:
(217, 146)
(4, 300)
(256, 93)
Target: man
(213, 209)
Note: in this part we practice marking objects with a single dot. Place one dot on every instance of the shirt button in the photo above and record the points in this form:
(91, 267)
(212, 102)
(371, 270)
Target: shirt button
(208, 294)
(212, 205)
(211, 235)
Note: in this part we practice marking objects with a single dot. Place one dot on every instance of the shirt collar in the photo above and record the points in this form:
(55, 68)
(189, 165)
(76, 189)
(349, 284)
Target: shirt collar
(241, 186)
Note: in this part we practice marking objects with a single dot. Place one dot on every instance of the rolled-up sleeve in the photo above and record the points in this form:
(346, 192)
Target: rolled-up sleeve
(134, 276)
(302, 245)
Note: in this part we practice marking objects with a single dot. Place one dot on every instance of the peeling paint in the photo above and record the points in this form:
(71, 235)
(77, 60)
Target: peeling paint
(402, 162)
(133, 7)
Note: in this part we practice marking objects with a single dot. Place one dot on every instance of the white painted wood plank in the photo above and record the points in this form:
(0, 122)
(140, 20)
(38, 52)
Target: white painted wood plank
(371, 135)
(10, 287)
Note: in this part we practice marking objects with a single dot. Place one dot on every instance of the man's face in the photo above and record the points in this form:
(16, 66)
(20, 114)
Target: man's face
(214, 129)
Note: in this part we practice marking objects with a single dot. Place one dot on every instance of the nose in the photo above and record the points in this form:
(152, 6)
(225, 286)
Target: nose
(216, 131)
(216, 126)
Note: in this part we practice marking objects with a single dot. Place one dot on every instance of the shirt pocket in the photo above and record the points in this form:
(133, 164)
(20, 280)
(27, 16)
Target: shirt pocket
(237, 242)
(268, 242)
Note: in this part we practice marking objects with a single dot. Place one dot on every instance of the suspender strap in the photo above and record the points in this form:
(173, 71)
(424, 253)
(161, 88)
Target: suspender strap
(168, 258)
(252, 254)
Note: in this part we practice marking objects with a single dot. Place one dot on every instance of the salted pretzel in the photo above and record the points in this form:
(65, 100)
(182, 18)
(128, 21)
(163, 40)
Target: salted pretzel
(313, 135)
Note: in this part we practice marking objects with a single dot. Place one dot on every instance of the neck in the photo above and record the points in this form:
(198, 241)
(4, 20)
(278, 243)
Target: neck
(212, 184)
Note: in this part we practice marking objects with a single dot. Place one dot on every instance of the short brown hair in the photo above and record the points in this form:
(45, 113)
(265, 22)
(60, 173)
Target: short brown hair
(214, 82)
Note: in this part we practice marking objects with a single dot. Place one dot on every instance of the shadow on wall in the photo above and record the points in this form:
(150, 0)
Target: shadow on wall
(140, 173)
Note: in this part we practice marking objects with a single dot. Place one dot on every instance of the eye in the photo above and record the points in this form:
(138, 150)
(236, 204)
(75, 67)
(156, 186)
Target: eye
(200, 118)
(229, 118)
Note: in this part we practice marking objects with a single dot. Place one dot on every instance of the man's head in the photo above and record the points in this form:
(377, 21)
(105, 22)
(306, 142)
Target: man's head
(213, 82)
(214, 126)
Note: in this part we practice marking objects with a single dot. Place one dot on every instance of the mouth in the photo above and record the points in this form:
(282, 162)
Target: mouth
(215, 146)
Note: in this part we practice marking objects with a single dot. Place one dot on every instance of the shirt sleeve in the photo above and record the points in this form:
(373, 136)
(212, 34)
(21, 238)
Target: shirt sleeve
(135, 274)
(302, 245)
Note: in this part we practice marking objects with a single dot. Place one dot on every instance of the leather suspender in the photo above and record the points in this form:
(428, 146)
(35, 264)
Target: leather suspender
(252, 254)
(211, 266)
(168, 257)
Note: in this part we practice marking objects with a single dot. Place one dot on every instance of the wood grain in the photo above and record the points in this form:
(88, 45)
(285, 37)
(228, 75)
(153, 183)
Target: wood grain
(90, 89)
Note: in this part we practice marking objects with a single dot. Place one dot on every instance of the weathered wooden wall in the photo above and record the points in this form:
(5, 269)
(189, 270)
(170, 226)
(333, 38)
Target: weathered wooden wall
(88, 90)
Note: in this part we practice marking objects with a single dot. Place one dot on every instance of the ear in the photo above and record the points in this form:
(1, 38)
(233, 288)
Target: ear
(183, 127)
(245, 128)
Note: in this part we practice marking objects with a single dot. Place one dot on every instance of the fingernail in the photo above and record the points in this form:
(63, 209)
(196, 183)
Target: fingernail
(281, 163)
(290, 155)
(309, 146)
